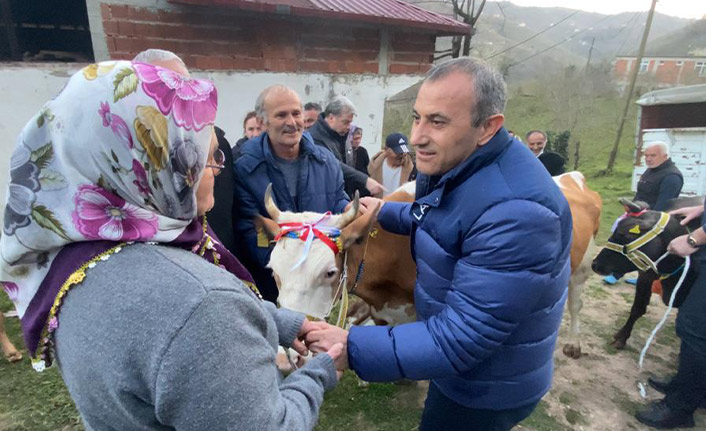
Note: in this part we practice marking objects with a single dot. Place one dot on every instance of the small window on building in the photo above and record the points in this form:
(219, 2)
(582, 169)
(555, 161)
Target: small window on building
(700, 68)
(47, 30)
(644, 64)
(680, 63)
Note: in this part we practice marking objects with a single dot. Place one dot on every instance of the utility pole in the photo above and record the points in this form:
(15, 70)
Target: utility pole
(590, 51)
(631, 87)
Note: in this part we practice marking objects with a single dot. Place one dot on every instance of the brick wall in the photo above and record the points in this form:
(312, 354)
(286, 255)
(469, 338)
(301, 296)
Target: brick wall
(222, 38)
(664, 72)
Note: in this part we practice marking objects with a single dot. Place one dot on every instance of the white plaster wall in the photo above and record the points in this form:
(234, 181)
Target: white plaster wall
(25, 88)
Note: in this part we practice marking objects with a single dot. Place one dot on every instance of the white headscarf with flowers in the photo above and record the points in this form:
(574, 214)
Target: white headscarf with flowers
(115, 156)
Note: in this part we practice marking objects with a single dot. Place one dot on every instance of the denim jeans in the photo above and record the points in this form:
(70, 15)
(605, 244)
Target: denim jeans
(441, 413)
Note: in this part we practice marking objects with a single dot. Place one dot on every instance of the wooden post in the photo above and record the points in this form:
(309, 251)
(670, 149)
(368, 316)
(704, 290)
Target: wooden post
(576, 156)
(631, 88)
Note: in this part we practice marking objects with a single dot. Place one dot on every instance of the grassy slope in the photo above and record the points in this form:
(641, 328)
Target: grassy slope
(37, 402)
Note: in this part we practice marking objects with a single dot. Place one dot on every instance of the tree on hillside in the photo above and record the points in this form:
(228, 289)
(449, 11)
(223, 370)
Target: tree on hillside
(467, 11)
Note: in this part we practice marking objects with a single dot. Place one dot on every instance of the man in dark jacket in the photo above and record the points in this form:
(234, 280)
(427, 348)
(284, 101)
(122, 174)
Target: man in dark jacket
(304, 177)
(662, 180)
(330, 131)
(553, 162)
(491, 235)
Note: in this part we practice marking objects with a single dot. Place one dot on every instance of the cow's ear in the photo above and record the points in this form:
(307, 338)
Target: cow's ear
(630, 206)
(266, 228)
(359, 229)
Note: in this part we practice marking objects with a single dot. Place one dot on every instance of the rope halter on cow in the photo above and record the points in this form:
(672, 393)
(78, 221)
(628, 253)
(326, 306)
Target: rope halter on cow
(632, 250)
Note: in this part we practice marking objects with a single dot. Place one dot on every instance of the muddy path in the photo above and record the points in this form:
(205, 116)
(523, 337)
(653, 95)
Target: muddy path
(599, 390)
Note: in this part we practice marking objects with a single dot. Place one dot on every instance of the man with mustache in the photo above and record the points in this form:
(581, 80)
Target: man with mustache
(304, 177)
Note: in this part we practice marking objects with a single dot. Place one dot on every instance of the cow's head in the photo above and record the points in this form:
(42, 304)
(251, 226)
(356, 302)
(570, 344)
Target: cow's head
(631, 226)
(307, 259)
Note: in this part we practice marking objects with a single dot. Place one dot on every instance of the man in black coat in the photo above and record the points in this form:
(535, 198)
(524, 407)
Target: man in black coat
(330, 131)
(536, 141)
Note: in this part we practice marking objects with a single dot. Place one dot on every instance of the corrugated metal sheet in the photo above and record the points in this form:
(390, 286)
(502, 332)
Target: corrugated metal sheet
(383, 12)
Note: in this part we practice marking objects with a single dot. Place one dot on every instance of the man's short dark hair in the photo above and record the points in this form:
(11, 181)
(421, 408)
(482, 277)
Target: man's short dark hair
(535, 131)
(312, 106)
(248, 116)
(488, 85)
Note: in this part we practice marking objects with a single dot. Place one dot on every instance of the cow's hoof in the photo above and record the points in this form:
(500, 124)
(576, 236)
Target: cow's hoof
(618, 344)
(572, 351)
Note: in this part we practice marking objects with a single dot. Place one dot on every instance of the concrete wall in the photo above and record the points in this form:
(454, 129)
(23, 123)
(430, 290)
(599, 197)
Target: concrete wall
(25, 88)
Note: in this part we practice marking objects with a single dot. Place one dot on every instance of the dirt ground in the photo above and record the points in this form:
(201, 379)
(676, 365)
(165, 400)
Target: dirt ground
(599, 390)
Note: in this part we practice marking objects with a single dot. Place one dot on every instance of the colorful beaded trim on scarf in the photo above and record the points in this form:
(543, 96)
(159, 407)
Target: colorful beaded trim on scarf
(43, 356)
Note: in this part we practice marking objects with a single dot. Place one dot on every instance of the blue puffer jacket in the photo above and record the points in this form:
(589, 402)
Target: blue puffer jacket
(320, 187)
(491, 239)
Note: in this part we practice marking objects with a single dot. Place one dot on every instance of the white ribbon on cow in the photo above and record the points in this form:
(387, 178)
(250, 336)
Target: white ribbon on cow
(687, 263)
(307, 229)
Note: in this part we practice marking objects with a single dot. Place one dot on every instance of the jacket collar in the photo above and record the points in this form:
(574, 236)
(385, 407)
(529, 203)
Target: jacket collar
(262, 152)
(321, 122)
(667, 163)
(431, 189)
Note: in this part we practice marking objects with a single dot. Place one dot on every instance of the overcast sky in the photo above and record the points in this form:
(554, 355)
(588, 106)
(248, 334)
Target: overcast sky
(680, 8)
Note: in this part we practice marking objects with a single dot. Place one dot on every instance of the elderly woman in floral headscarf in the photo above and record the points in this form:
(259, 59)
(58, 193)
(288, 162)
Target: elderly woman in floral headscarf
(153, 324)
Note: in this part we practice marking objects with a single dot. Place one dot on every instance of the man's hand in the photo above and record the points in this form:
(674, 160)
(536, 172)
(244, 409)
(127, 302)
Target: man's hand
(689, 214)
(298, 343)
(335, 352)
(680, 247)
(368, 203)
(325, 339)
(374, 187)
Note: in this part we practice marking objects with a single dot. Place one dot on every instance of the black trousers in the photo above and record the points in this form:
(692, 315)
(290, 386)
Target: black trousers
(687, 390)
(441, 413)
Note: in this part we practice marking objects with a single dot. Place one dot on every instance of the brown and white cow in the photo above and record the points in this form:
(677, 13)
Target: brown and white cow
(386, 283)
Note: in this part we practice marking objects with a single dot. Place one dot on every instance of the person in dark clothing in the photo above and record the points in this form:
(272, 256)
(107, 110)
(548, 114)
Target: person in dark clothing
(330, 131)
(661, 182)
(252, 127)
(220, 218)
(311, 113)
(553, 162)
(304, 177)
(687, 389)
(360, 154)
(360, 158)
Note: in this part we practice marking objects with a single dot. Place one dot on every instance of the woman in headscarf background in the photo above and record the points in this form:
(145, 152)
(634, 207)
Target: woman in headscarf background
(152, 322)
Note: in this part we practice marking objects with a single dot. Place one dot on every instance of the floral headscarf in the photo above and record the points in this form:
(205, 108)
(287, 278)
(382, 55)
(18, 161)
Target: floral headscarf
(114, 158)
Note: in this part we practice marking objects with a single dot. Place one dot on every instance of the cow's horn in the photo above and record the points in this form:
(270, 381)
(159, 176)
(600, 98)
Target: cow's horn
(349, 215)
(270, 205)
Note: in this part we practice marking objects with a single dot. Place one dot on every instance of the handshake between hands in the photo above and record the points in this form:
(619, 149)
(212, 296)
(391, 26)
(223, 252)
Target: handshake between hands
(320, 337)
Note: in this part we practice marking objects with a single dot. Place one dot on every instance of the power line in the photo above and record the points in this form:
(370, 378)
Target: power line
(551, 26)
(560, 42)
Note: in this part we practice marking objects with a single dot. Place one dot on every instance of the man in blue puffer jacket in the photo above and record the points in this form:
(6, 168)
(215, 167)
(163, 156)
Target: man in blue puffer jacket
(491, 235)
(304, 177)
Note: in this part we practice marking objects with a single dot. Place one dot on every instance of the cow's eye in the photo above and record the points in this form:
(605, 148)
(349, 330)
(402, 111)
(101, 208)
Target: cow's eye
(331, 273)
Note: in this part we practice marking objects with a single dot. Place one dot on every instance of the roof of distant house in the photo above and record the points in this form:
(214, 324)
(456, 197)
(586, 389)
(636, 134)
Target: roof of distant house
(381, 12)
(690, 94)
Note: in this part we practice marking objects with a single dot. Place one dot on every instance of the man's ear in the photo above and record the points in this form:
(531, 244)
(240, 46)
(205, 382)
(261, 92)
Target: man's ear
(266, 226)
(358, 229)
(490, 127)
